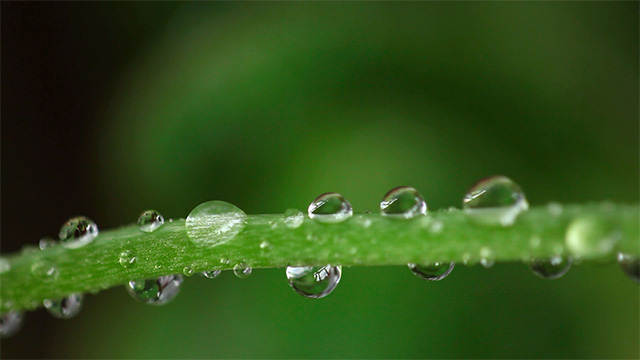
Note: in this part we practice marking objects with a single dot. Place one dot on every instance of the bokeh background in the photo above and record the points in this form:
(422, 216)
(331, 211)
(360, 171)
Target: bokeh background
(112, 108)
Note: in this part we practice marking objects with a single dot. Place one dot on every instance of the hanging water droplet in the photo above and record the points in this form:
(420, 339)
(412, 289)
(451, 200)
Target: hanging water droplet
(65, 308)
(46, 242)
(78, 232)
(127, 259)
(215, 222)
(314, 282)
(432, 272)
(403, 202)
(495, 201)
(211, 274)
(242, 270)
(486, 258)
(330, 208)
(155, 291)
(4, 265)
(630, 265)
(150, 220)
(44, 270)
(187, 271)
(553, 268)
(590, 237)
(293, 218)
(10, 323)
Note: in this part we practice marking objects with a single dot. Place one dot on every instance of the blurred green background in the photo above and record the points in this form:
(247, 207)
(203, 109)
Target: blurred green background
(113, 108)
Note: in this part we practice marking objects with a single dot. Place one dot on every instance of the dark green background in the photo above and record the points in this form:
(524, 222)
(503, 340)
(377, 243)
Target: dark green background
(113, 108)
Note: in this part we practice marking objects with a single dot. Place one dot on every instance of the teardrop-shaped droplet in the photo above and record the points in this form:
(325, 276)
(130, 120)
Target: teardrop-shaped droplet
(10, 323)
(312, 281)
(46, 242)
(432, 272)
(44, 270)
(403, 202)
(150, 220)
(590, 237)
(78, 232)
(211, 274)
(495, 201)
(553, 268)
(155, 291)
(65, 308)
(630, 265)
(293, 218)
(330, 208)
(215, 222)
(127, 259)
(242, 270)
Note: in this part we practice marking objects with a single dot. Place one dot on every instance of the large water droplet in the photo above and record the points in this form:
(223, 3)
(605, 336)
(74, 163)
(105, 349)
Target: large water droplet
(495, 201)
(215, 222)
(10, 323)
(242, 270)
(44, 270)
(211, 274)
(432, 272)
(330, 208)
(150, 220)
(590, 237)
(553, 268)
(127, 259)
(46, 242)
(630, 265)
(293, 218)
(155, 291)
(403, 202)
(78, 232)
(314, 282)
(65, 308)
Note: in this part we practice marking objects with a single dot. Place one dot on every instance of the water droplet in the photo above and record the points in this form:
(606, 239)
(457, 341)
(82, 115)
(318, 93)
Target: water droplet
(10, 323)
(65, 308)
(330, 208)
(44, 270)
(314, 282)
(4, 265)
(242, 270)
(555, 209)
(187, 271)
(265, 244)
(495, 201)
(590, 237)
(127, 259)
(486, 258)
(293, 218)
(170, 220)
(46, 242)
(436, 227)
(486, 263)
(432, 272)
(215, 222)
(78, 232)
(211, 274)
(155, 291)
(535, 241)
(150, 220)
(630, 265)
(403, 202)
(552, 268)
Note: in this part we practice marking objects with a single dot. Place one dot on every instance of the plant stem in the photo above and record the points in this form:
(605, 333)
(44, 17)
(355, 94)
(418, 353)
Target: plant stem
(266, 242)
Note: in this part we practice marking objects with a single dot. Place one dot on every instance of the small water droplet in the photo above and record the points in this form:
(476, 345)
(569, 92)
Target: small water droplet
(553, 268)
(224, 260)
(486, 263)
(187, 271)
(486, 258)
(432, 272)
(10, 323)
(330, 208)
(535, 241)
(170, 220)
(4, 265)
(590, 237)
(127, 259)
(630, 265)
(436, 227)
(452, 209)
(66, 307)
(264, 244)
(46, 242)
(29, 249)
(77, 232)
(150, 220)
(403, 202)
(242, 270)
(555, 209)
(495, 201)
(314, 282)
(155, 291)
(215, 222)
(211, 274)
(44, 270)
(293, 218)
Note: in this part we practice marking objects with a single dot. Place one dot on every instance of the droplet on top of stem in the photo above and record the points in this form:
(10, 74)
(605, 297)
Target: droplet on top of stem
(215, 222)
(495, 201)
(403, 202)
(77, 232)
(150, 220)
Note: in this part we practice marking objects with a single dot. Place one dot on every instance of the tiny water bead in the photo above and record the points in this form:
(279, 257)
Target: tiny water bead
(188, 271)
(44, 270)
(314, 282)
(215, 222)
(293, 218)
(630, 265)
(10, 323)
(77, 232)
(65, 308)
(432, 272)
(590, 237)
(242, 270)
(155, 291)
(403, 202)
(46, 242)
(495, 201)
(150, 220)
(211, 274)
(552, 268)
(330, 208)
(127, 259)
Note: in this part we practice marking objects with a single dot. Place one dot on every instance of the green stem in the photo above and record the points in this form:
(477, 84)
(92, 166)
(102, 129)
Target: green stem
(266, 242)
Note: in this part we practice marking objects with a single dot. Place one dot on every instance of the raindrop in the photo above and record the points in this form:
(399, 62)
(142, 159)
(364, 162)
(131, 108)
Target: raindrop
(314, 282)
(10, 323)
(403, 202)
(330, 208)
(44, 270)
(65, 308)
(242, 270)
(211, 274)
(590, 237)
(630, 265)
(187, 271)
(127, 259)
(150, 220)
(495, 201)
(553, 268)
(215, 222)
(155, 291)
(78, 232)
(46, 242)
(293, 218)
(432, 272)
